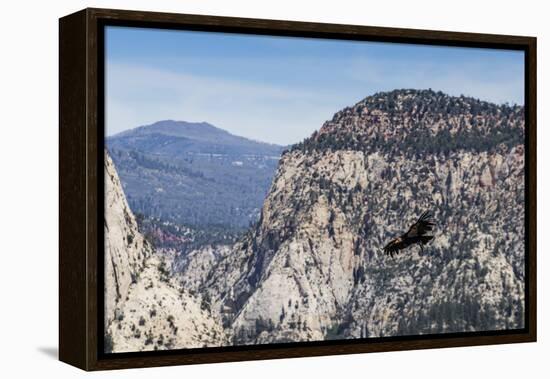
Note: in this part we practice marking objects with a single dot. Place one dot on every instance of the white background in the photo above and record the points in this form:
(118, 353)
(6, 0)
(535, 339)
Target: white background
(29, 187)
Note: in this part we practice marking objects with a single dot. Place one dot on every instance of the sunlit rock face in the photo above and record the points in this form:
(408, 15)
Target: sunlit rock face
(312, 267)
(145, 306)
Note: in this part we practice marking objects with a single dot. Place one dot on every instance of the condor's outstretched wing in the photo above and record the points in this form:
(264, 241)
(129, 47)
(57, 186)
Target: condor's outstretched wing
(421, 227)
(393, 246)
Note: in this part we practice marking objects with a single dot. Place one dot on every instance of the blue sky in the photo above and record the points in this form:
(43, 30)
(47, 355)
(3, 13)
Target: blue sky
(278, 89)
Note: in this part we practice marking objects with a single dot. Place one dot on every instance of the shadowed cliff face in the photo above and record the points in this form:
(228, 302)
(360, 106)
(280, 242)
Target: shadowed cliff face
(168, 167)
(312, 267)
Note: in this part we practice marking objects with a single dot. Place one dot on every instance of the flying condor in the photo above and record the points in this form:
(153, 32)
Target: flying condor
(415, 235)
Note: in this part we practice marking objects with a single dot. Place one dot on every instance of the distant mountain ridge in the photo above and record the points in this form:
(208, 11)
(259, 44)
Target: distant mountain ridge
(200, 137)
(194, 174)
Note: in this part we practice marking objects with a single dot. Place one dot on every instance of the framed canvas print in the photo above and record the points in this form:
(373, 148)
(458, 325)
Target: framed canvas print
(237, 189)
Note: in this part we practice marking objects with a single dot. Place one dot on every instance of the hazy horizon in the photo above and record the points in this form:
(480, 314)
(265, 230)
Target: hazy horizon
(280, 89)
(193, 122)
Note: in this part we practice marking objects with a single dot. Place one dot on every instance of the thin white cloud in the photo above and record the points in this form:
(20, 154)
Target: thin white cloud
(286, 113)
(141, 95)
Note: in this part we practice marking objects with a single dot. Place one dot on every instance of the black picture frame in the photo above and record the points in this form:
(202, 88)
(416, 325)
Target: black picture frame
(81, 125)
